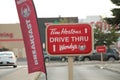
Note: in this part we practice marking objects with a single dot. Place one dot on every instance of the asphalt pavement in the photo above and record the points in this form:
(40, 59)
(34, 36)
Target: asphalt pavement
(21, 74)
(111, 66)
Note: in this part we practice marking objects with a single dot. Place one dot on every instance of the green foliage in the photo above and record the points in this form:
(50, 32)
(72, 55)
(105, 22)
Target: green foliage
(110, 20)
(111, 37)
(116, 2)
(116, 13)
(105, 38)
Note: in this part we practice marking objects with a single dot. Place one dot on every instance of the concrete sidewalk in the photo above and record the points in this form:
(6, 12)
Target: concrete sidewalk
(21, 74)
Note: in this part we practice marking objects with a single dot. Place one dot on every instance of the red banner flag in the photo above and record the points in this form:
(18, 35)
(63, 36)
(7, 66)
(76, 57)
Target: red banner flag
(31, 36)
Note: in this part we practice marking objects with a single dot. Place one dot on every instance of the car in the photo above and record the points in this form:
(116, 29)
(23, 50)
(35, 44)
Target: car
(53, 58)
(8, 58)
(110, 55)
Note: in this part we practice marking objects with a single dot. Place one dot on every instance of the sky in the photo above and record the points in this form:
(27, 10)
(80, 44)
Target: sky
(56, 8)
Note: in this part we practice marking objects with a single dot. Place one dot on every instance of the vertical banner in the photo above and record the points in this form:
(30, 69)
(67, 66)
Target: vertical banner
(31, 36)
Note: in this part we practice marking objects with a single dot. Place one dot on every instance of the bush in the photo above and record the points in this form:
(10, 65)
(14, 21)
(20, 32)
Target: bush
(4, 49)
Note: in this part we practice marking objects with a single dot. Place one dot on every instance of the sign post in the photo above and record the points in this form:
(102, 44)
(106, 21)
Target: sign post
(70, 67)
(101, 50)
(69, 40)
(101, 58)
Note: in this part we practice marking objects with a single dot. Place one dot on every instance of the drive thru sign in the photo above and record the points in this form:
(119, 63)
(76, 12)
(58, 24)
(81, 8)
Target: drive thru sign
(69, 39)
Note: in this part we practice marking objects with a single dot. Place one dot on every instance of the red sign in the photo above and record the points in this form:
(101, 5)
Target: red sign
(6, 35)
(29, 27)
(70, 39)
(101, 49)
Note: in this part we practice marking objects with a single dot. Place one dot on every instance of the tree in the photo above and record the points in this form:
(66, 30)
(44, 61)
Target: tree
(115, 24)
(115, 21)
(107, 38)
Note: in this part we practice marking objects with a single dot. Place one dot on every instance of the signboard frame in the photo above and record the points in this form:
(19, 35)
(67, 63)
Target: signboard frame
(92, 39)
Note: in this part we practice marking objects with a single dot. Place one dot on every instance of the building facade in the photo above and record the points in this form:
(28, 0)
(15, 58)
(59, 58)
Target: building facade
(11, 38)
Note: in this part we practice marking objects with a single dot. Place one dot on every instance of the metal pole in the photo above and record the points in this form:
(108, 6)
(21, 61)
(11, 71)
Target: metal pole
(101, 61)
(70, 68)
(101, 58)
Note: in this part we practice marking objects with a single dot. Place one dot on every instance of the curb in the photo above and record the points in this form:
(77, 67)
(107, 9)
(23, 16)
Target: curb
(113, 70)
(109, 69)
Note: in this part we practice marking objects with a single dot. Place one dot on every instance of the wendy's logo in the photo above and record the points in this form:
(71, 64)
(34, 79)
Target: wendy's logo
(82, 47)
